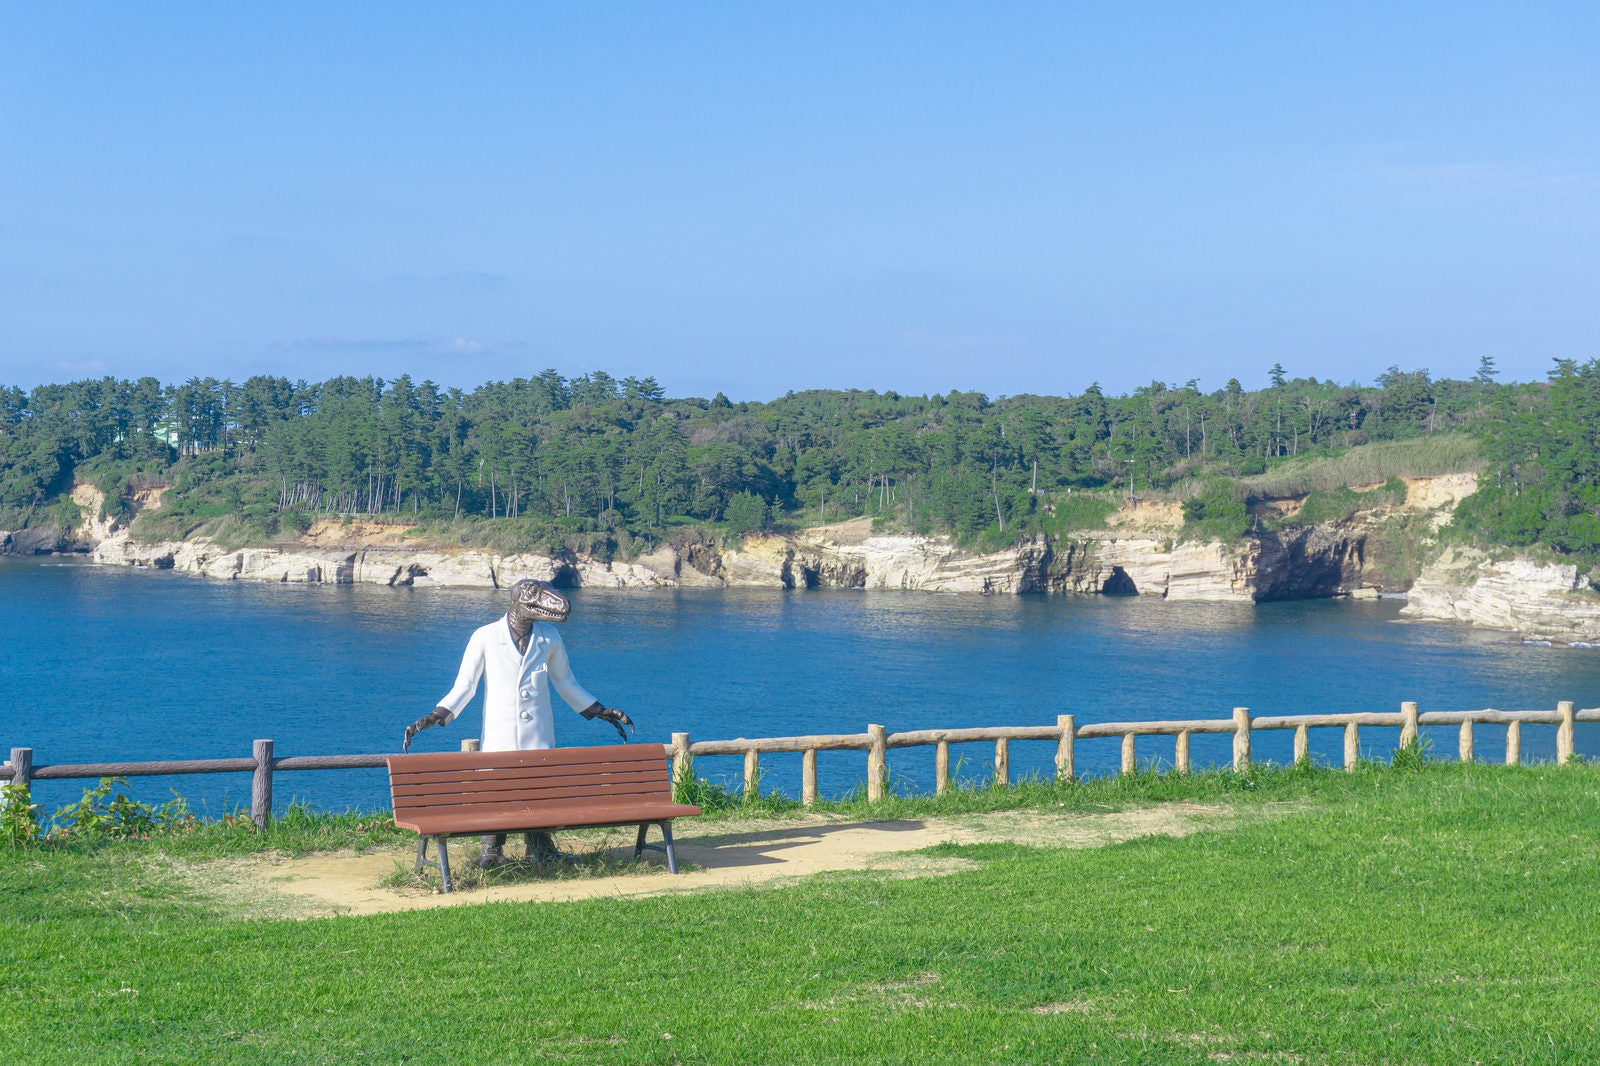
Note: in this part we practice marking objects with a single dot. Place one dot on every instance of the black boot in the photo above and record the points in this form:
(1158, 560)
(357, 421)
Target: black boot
(491, 854)
(541, 847)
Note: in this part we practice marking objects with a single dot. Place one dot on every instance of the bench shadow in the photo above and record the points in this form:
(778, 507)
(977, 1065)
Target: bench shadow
(725, 851)
(764, 848)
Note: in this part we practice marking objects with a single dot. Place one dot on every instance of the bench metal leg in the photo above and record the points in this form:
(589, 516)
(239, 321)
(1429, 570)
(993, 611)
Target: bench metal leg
(639, 845)
(672, 856)
(444, 862)
(422, 853)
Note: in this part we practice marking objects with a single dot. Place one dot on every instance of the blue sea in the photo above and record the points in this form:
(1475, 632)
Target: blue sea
(103, 664)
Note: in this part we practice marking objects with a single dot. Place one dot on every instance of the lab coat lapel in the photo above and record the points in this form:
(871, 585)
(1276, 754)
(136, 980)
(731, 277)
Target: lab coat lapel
(536, 644)
(508, 644)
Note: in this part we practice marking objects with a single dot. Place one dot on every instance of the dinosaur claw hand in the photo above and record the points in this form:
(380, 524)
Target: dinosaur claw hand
(615, 715)
(438, 717)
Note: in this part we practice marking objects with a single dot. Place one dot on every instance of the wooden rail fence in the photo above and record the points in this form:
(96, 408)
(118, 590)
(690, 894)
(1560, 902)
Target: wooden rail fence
(876, 742)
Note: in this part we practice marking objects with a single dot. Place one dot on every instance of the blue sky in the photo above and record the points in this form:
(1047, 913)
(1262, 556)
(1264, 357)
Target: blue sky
(754, 198)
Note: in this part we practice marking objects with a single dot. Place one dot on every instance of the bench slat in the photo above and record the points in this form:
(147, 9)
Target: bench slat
(543, 816)
(571, 793)
(467, 760)
(554, 775)
(565, 770)
(645, 779)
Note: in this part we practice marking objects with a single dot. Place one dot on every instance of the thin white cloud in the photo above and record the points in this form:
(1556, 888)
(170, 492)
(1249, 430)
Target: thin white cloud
(433, 346)
(82, 368)
(460, 346)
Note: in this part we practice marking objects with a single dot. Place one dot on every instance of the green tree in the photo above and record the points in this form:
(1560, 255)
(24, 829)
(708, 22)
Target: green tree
(747, 513)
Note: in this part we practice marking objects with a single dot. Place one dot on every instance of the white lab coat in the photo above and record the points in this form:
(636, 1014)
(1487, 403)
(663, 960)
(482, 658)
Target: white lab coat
(516, 701)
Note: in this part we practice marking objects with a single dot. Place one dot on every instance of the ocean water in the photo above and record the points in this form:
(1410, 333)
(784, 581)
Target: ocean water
(102, 664)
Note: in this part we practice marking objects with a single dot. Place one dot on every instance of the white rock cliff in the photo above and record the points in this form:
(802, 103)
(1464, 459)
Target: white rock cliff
(848, 555)
(1141, 553)
(1538, 600)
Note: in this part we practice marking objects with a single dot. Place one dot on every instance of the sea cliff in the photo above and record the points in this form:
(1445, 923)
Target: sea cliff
(1539, 600)
(1143, 551)
(1391, 549)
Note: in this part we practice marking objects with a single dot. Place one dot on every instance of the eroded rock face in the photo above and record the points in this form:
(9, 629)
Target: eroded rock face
(49, 538)
(1195, 571)
(1536, 599)
(393, 567)
(759, 562)
(1310, 562)
(1141, 553)
(1086, 563)
(913, 563)
(35, 540)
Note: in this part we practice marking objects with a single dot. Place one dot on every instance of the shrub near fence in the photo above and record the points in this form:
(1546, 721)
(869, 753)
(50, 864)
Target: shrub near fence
(876, 742)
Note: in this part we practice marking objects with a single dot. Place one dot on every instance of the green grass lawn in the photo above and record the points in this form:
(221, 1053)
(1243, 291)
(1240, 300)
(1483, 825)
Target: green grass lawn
(1436, 915)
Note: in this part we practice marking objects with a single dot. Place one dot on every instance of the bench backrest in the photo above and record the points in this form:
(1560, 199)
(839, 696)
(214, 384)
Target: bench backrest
(464, 780)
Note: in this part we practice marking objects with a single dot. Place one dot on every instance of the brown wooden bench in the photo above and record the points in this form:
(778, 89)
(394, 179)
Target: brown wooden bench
(472, 793)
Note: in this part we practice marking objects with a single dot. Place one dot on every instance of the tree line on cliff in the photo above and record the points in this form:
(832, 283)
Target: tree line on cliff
(1541, 480)
(598, 462)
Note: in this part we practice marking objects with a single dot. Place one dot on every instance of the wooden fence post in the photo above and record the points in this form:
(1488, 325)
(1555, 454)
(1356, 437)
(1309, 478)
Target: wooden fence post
(1465, 743)
(1065, 770)
(21, 771)
(1241, 740)
(941, 768)
(1180, 752)
(1002, 762)
(261, 784)
(877, 763)
(472, 744)
(1564, 740)
(1302, 745)
(1129, 762)
(1408, 728)
(22, 767)
(752, 774)
(1352, 746)
(1513, 743)
(682, 761)
(808, 778)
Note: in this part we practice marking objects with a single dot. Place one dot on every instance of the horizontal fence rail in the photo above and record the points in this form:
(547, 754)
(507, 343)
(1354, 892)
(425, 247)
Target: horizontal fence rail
(876, 742)
(20, 769)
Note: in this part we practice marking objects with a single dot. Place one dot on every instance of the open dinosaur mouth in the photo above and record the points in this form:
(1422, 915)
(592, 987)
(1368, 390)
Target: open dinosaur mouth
(544, 603)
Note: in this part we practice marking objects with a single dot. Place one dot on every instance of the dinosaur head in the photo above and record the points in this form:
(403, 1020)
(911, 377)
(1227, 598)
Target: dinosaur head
(534, 601)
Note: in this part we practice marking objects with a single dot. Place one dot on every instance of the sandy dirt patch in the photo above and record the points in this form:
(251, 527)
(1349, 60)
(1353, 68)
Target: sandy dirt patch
(1446, 490)
(149, 496)
(1155, 515)
(90, 500)
(748, 853)
(1276, 510)
(334, 532)
(854, 531)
